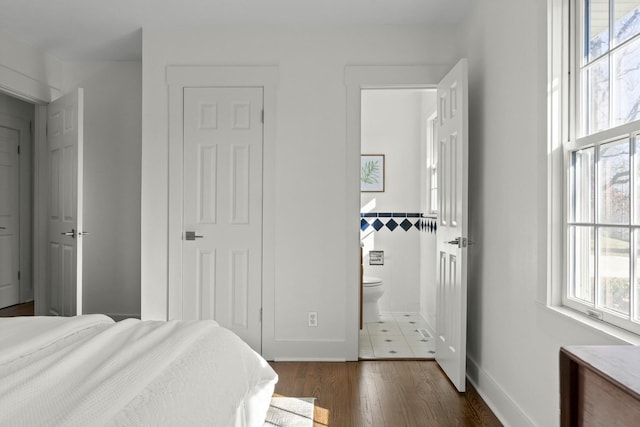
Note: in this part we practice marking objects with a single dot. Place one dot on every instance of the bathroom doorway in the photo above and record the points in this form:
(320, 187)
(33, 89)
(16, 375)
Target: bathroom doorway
(397, 224)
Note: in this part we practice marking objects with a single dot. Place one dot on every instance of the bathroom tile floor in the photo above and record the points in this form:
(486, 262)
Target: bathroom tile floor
(397, 336)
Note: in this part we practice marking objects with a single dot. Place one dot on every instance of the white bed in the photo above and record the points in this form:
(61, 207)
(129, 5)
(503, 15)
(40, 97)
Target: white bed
(90, 371)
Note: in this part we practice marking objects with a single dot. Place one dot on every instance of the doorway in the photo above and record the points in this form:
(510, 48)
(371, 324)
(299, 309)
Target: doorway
(396, 230)
(452, 239)
(16, 213)
(258, 81)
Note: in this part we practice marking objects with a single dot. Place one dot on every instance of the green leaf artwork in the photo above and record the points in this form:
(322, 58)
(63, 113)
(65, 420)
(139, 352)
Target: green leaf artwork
(370, 172)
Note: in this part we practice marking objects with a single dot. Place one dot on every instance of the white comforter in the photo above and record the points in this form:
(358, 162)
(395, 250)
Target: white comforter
(90, 371)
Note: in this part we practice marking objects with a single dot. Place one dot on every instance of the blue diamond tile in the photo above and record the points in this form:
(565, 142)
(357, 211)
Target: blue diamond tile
(418, 224)
(363, 224)
(377, 224)
(391, 224)
(406, 225)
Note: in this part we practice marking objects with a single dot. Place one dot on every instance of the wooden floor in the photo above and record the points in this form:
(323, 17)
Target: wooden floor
(382, 393)
(25, 309)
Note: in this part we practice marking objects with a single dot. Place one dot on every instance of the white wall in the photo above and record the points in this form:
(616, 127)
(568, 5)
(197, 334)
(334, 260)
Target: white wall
(513, 339)
(27, 72)
(15, 107)
(311, 231)
(112, 141)
(392, 124)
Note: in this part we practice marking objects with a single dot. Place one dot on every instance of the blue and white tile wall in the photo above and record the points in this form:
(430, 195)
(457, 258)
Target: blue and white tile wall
(392, 221)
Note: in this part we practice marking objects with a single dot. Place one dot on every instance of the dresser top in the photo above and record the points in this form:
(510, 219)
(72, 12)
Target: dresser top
(618, 363)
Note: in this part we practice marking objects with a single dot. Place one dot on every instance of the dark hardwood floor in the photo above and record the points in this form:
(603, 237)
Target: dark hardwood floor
(382, 393)
(25, 309)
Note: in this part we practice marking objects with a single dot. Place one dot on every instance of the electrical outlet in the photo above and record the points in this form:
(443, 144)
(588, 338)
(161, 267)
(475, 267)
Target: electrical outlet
(313, 318)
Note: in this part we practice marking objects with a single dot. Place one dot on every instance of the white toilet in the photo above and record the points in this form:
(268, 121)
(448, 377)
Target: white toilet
(372, 291)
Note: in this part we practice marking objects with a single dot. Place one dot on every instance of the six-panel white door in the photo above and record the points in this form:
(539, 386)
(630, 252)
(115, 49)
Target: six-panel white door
(9, 217)
(452, 238)
(222, 238)
(64, 252)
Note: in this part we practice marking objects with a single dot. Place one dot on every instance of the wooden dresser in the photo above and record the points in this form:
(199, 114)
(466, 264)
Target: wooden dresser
(600, 386)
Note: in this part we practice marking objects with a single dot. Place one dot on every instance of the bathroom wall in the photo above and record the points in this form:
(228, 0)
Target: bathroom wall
(393, 124)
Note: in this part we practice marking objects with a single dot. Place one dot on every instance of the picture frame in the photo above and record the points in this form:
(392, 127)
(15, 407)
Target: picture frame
(372, 170)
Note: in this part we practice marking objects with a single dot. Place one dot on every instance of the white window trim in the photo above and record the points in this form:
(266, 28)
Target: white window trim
(558, 106)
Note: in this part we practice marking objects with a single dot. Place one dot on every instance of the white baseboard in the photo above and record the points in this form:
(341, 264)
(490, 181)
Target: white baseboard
(503, 406)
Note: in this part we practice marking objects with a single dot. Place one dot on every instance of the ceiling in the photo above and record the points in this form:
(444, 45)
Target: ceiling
(110, 29)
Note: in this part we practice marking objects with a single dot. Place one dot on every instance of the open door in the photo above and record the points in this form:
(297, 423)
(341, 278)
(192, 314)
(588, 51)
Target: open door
(452, 239)
(64, 211)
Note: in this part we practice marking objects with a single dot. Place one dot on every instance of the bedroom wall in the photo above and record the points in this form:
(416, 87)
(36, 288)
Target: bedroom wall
(311, 229)
(27, 72)
(112, 128)
(513, 339)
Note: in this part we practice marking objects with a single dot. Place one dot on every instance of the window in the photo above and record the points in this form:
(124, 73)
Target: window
(432, 165)
(602, 161)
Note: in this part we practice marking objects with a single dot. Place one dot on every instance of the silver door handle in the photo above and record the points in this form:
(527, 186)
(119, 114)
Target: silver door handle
(461, 242)
(71, 233)
(191, 235)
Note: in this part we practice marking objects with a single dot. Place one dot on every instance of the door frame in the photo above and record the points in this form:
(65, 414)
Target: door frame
(266, 77)
(357, 78)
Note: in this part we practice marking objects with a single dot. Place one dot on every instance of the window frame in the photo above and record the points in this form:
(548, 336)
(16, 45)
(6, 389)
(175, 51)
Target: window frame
(565, 137)
(432, 163)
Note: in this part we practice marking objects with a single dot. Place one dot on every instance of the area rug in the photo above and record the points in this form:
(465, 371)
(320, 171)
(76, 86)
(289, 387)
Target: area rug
(290, 412)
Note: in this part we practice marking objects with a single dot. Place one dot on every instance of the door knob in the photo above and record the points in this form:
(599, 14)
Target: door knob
(461, 242)
(191, 235)
(71, 233)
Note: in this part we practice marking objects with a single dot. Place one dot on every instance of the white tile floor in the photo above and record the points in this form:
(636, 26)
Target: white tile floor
(397, 335)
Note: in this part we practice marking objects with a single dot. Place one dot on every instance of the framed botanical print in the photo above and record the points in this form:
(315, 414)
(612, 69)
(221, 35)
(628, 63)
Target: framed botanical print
(372, 172)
